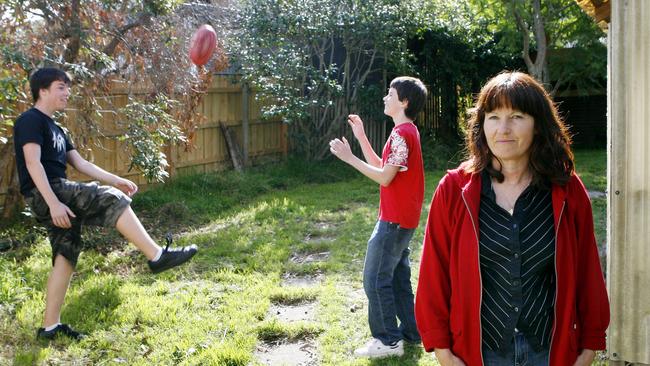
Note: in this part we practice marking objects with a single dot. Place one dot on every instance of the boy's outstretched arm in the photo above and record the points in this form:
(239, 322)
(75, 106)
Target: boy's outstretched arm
(382, 175)
(369, 154)
(93, 171)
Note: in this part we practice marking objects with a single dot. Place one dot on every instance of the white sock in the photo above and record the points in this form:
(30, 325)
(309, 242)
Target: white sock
(160, 250)
(47, 329)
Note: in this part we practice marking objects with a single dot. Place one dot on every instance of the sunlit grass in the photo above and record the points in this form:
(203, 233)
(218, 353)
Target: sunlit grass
(214, 310)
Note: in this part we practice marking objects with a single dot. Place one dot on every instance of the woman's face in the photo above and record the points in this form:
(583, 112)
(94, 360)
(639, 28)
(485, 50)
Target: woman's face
(509, 134)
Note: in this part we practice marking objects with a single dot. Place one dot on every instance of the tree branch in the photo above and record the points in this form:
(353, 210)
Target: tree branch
(364, 76)
(523, 29)
(74, 29)
(540, 37)
(559, 82)
(48, 14)
(143, 19)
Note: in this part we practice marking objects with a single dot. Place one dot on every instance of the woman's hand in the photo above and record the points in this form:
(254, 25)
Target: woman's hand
(585, 358)
(448, 358)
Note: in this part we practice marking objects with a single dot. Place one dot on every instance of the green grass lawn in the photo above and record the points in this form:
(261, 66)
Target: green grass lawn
(592, 168)
(250, 228)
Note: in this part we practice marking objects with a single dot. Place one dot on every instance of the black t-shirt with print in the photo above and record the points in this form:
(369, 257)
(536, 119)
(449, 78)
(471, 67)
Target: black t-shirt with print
(35, 126)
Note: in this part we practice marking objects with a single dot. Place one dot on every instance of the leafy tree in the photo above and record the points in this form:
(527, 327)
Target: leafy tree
(100, 43)
(454, 70)
(312, 60)
(153, 126)
(453, 53)
(538, 30)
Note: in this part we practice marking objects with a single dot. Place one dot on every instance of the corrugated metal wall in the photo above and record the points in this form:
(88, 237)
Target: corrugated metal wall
(629, 182)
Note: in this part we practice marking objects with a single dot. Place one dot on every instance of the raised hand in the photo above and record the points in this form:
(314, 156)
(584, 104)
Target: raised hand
(356, 124)
(341, 149)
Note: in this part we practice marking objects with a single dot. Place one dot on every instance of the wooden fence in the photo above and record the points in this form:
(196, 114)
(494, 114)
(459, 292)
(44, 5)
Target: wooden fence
(226, 101)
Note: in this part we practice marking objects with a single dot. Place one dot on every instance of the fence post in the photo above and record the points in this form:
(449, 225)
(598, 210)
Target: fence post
(284, 140)
(170, 151)
(245, 92)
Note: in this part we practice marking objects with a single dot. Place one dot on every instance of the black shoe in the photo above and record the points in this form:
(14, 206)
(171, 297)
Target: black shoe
(63, 329)
(172, 257)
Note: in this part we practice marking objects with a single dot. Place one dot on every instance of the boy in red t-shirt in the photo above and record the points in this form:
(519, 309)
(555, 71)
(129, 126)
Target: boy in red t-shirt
(400, 173)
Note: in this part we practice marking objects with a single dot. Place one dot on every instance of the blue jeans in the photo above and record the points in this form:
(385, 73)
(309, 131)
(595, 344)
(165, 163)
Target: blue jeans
(522, 354)
(387, 283)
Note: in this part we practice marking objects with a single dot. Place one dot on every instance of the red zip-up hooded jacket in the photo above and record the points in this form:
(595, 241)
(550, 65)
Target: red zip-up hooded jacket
(448, 298)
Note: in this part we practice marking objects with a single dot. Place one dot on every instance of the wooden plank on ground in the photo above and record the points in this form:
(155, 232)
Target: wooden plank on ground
(233, 147)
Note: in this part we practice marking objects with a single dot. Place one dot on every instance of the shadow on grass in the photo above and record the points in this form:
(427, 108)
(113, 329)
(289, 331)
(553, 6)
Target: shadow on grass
(203, 197)
(95, 305)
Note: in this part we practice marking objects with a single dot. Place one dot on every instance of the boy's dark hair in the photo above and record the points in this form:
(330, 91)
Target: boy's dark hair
(43, 78)
(413, 90)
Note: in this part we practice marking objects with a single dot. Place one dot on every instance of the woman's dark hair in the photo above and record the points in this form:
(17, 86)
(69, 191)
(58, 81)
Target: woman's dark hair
(551, 158)
(413, 90)
(43, 78)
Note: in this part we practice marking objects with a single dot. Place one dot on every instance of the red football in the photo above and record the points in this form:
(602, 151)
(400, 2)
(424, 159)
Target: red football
(202, 45)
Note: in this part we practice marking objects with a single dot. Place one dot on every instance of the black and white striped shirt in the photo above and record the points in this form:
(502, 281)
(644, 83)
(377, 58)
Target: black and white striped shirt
(517, 268)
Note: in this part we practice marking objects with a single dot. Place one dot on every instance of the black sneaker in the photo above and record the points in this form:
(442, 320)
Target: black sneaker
(63, 329)
(172, 257)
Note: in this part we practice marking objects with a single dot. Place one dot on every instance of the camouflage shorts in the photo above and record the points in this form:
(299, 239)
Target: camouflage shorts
(93, 204)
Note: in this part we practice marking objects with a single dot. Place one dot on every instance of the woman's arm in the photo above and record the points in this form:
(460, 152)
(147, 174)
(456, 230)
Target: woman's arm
(592, 304)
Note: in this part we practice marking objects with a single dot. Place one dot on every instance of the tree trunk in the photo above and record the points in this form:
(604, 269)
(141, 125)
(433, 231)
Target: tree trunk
(74, 44)
(539, 67)
(12, 201)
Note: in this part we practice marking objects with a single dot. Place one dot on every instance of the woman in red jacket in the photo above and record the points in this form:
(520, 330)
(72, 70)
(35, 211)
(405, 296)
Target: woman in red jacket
(510, 273)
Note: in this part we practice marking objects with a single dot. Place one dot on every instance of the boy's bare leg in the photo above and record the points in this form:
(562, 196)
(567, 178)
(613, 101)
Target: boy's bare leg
(130, 227)
(57, 286)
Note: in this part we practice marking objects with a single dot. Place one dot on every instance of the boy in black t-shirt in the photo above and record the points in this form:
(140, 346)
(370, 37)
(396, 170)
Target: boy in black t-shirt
(63, 206)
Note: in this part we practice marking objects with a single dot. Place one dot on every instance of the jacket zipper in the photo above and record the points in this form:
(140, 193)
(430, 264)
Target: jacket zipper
(557, 230)
(480, 279)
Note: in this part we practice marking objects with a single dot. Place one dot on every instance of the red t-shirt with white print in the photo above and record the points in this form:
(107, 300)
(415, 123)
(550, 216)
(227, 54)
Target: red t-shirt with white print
(401, 201)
